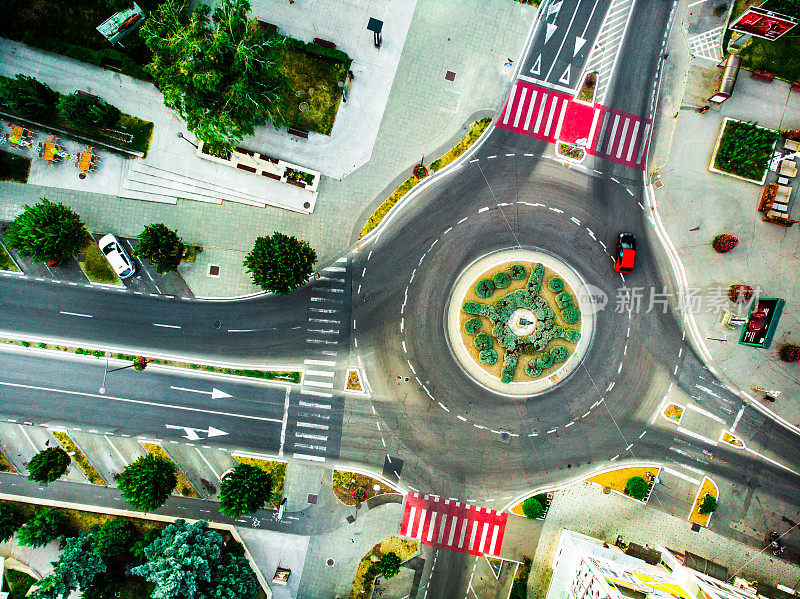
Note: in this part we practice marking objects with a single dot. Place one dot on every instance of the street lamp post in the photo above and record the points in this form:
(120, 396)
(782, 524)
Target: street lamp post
(105, 373)
(187, 140)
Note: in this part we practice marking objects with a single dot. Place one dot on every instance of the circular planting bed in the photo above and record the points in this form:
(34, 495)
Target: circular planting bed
(514, 322)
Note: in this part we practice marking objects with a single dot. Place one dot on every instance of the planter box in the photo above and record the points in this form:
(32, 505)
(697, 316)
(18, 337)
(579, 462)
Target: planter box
(713, 169)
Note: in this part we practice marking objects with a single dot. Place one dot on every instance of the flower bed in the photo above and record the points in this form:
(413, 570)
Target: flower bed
(743, 150)
(364, 582)
(570, 151)
(617, 480)
(586, 93)
(706, 487)
(351, 487)
(353, 382)
(673, 412)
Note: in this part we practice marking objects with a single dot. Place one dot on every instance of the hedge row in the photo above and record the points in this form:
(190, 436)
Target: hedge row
(535, 281)
(509, 366)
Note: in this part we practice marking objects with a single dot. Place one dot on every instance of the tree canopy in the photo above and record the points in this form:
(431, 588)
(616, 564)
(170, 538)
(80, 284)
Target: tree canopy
(48, 465)
(147, 483)
(115, 537)
(75, 568)
(42, 528)
(243, 491)
(10, 520)
(532, 508)
(81, 110)
(708, 505)
(790, 8)
(47, 232)
(218, 70)
(280, 263)
(26, 96)
(389, 565)
(637, 487)
(161, 246)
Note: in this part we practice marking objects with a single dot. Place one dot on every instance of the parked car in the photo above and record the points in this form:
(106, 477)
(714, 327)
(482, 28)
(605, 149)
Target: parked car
(626, 253)
(117, 256)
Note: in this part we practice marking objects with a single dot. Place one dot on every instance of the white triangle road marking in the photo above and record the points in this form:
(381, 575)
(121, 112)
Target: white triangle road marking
(537, 66)
(551, 29)
(217, 394)
(579, 42)
(565, 76)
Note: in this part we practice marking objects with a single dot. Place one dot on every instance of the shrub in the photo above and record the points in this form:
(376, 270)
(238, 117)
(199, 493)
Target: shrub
(280, 263)
(473, 308)
(573, 336)
(556, 284)
(42, 528)
(484, 288)
(161, 246)
(517, 271)
(488, 356)
(559, 354)
(544, 361)
(724, 243)
(564, 299)
(570, 314)
(740, 294)
(637, 487)
(472, 326)
(115, 537)
(147, 482)
(501, 280)
(389, 565)
(532, 369)
(26, 96)
(709, 505)
(10, 520)
(483, 341)
(87, 112)
(48, 465)
(47, 232)
(535, 280)
(532, 508)
(790, 353)
(509, 366)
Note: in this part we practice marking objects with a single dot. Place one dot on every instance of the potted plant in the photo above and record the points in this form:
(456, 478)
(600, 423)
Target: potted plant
(740, 294)
(790, 353)
(724, 243)
(420, 171)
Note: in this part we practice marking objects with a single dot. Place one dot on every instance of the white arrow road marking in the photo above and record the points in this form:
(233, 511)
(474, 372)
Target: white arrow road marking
(553, 9)
(191, 433)
(141, 402)
(565, 76)
(214, 393)
(537, 66)
(551, 29)
(579, 41)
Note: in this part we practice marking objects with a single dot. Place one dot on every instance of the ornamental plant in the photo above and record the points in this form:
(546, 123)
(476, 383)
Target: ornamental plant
(570, 314)
(556, 284)
(420, 171)
(161, 246)
(488, 356)
(501, 280)
(484, 288)
(139, 363)
(517, 271)
(708, 506)
(47, 232)
(532, 508)
(740, 294)
(48, 465)
(472, 326)
(724, 243)
(483, 341)
(637, 487)
(359, 495)
(790, 353)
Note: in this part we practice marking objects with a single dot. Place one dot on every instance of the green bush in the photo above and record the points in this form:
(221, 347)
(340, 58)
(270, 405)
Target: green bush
(535, 280)
(556, 284)
(473, 308)
(532, 369)
(559, 354)
(472, 326)
(517, 271)
(26, 96)
(564, 299)
(484, 288)
(570, 314)
(509, 366)
(708, 505)
(99, 58)
(483, 341)
(501, 280)
(745, 149)
(532, 508)
(544, 361)
(488, 356)
(573, 336)
(87, 112)
(637, 487)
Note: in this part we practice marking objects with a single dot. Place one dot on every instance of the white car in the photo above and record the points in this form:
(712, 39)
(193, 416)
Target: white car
(117, 256)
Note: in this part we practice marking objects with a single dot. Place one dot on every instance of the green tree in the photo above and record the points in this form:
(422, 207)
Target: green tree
(10, 520)
(218, 71)
(42, 528)
(87, 112)
(389, 565)
(147, 483)
(280, 263)
(708, 505)
(232, 578)
(47, 232)
(532, 508)
(637, 487)
(26, 96)
(244, 491)
(790, 8)
(115, 537)
(48, 465)
(161, 246)
(75, 568)
(519, 590)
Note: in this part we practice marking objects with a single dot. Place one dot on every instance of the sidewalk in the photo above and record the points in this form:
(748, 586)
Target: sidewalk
(425, 115)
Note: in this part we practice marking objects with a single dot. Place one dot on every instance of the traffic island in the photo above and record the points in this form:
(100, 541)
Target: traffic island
(543, 499)
(352, 488)
(276, 470)
(516, 322)
(91, 473)
(673, 412)
(708, 488)
(368, 570)
(619, 480)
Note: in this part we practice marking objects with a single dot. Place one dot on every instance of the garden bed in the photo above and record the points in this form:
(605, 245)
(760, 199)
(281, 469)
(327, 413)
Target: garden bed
(345, 485)
(276, 471)
(6, 465)
(405, 550)
(731, 439)
(184, 487)
(673, 412)
(706, 487)
(475, 131)
(617, 480)
(586, 93)
(743, 150)
(545, 499)
(78, 458)
(14, 168)
(96, 267)
(6, 263)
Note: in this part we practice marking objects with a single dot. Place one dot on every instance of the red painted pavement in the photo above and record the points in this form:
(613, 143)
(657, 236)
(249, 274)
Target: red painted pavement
(453, 525)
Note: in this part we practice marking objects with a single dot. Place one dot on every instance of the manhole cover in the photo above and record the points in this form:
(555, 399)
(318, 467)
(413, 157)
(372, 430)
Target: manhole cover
(330, 562)
(216, 324)
(607, 490)
(505, 437)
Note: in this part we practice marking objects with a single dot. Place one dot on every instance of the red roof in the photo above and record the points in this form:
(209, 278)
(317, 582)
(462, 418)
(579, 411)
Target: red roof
(627, 258)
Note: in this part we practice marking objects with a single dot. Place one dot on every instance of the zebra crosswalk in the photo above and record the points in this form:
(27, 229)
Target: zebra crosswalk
(534, 110)
(621, 137)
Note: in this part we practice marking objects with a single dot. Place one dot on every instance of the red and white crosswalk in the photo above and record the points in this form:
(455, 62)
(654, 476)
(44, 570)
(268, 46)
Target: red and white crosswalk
(544, 113)
(453, 525)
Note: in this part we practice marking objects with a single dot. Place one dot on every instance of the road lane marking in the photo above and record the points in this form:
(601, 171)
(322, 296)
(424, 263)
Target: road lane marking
(28, 437)
(324, 373)
(685, 477)
(76, 314)
(311, 362)
(698, 436)
(166, 326)
(700, 410)
(305, 456)
(117, 451)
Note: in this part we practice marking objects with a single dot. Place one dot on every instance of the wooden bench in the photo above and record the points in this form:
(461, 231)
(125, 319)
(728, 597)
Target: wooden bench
(269, 158)
(324, 43)
(271, 175)
(244, 167)
(92, 97)
(763, 75)
(248, 152)
(298, 132)
(269, 27)
(296, 183)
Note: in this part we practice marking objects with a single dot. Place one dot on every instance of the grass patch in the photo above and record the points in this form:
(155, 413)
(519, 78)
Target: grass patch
(475, 131)
(313, 84)
(345, 485)
(404, 548)
(519, 588)
(184, 487)
(18, 583)
(6, 263)
(6, 465)
(96, 267)
(276, 471)
(744, 149)
(77, 456)
(14, 168)
(384, 208)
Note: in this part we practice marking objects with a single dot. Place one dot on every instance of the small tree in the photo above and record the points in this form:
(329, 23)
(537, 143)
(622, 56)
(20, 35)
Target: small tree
(161, 246)
(709, 505)
(147, 483)
(42, 528)
(75, 568)
(532, 508)
(637, 487)
(280, 263)
(244, 491)
(740, 294)
(139, 363)
(115, 537)
(47, 232)
(87, 112)
(389, 565)
(26, 96)
(48, 465)
(10, 520)
(724, 243)
(790, 353)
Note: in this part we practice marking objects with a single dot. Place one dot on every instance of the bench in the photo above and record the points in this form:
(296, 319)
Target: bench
(92, 97)
(243, 151)
(763, 75)
(244, 167)
(298, 132)
(271, 175)
(269, 158)
(296, 183)
(324, 43)
(268, 27)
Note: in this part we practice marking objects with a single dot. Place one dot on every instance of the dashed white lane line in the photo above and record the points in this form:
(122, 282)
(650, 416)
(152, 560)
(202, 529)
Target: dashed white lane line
(166, 326)
(76, 314)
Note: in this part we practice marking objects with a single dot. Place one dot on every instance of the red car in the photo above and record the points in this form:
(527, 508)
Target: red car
(626, 253)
